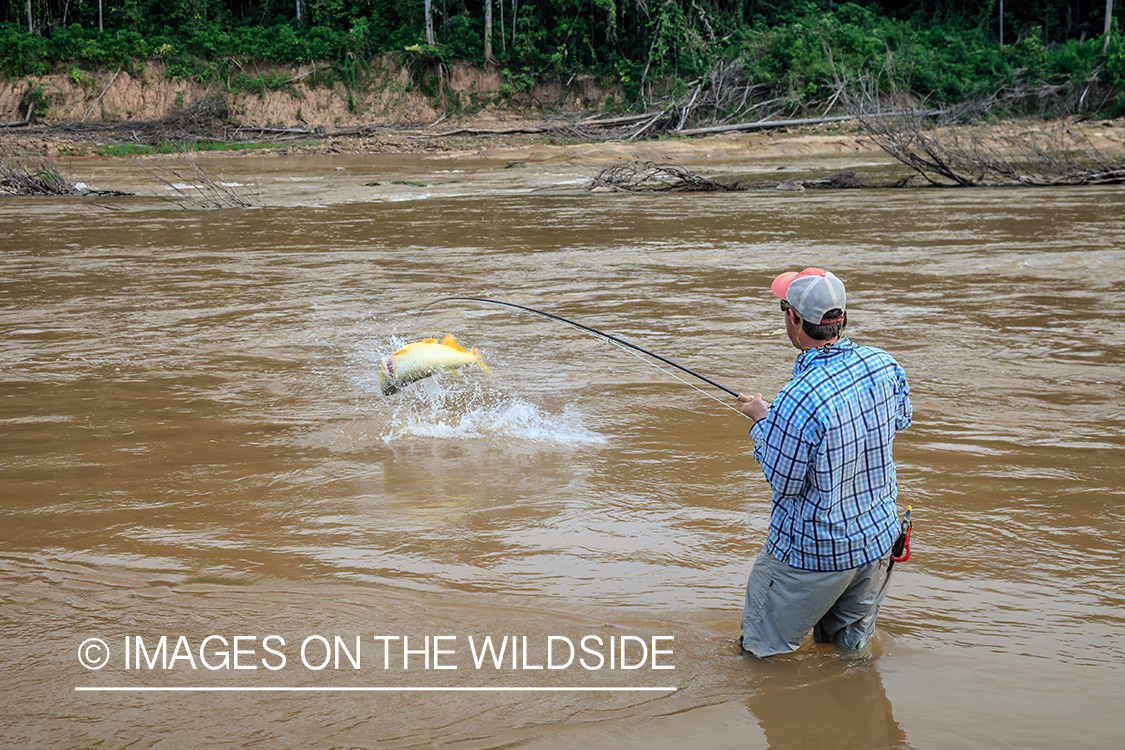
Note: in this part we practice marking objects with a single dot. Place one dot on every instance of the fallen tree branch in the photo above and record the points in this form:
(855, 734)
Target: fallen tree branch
(485, 131)
(657, 118)
(19, 124)
(616, 121)
(948, 151)
(255, 129)
(194, 186)
(294, 79)
(91, 109)
(652, 177)
(764, 124)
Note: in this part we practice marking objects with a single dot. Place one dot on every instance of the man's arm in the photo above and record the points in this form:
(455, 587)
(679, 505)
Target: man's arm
(780, 447)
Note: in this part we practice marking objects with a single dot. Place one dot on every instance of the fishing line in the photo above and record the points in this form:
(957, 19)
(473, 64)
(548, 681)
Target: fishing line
(711, 396)
(609, 337)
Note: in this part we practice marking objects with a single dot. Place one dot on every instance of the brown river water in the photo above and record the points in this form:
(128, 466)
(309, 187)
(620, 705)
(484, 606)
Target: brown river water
(194, 447)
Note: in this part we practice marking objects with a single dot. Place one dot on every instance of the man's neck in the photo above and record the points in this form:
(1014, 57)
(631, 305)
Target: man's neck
(807, 342)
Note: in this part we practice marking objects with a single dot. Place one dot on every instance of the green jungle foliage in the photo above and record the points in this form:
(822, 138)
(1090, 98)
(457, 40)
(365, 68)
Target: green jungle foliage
(945, 50)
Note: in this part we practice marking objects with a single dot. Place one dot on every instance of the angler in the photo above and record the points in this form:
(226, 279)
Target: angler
(825, 447)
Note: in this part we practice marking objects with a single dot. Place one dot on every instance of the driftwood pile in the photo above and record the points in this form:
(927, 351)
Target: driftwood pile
(1042, 155)
(206, 116)
(951, 146)
(647, 176)
(190, 185)
(653, 177)
(21, 174)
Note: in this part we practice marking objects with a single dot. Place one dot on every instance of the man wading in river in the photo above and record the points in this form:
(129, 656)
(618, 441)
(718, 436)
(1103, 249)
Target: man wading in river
(825, 447)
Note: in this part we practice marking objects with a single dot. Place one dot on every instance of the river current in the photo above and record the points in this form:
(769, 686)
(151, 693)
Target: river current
(217, 532)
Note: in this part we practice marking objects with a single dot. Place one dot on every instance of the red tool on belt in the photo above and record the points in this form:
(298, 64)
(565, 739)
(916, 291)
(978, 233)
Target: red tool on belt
(900, 552)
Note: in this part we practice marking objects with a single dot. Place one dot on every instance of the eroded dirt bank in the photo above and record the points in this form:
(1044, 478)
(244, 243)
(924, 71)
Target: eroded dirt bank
(74, 104)
(297, 96)
(78, 113)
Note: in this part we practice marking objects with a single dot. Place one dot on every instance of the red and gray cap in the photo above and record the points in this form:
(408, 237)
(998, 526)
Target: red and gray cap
(812, 293)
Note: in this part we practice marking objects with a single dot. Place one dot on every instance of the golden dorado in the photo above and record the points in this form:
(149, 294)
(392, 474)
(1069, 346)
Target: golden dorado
(423, 359)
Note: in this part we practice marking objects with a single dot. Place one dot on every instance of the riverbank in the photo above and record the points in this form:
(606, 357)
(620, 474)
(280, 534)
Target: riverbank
(111, 113)
(813, 140)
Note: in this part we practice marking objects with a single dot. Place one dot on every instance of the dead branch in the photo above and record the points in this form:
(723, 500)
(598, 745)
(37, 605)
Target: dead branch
(764, 124)
(647, 176)
(283, 131)
(616, 121)
(207, 115)
(639, 131)
(193, 186)
(973, 155)
(20, 123)
(294, 79)
(485, 131)
(23, 174)
(91, 109)
(944, 150)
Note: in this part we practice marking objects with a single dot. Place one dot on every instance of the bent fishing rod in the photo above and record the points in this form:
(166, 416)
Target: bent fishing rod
(588, 329)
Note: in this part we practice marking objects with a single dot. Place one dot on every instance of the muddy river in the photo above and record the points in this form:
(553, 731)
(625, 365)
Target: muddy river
(217, 532)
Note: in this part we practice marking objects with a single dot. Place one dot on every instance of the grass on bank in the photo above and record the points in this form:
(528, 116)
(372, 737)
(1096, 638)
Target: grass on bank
(139, 149)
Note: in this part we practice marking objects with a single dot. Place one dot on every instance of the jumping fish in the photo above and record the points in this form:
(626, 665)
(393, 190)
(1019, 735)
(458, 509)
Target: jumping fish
(423, 359)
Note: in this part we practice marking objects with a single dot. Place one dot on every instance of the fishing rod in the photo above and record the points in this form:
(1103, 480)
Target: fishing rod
(587, 329)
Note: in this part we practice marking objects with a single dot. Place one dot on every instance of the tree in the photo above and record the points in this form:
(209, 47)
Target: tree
(429, 8)
(1108, 20)
(488, 58)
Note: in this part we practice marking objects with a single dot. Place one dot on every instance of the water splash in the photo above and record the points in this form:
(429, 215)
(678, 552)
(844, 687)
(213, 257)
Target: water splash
(452, 408)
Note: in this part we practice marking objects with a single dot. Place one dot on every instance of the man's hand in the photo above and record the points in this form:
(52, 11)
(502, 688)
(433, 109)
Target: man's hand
(753, 406)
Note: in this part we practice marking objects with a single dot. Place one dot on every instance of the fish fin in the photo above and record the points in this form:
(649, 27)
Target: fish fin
(423, 341)
(479, 361)
(452, 343)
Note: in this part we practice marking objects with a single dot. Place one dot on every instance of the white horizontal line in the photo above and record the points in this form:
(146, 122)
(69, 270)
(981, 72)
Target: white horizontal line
(373, 689)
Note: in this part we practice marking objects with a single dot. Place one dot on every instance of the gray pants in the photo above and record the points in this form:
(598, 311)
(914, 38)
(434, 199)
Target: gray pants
(784, 603)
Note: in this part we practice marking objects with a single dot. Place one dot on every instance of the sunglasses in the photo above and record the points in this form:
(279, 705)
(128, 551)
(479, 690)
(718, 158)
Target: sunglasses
(785, 306)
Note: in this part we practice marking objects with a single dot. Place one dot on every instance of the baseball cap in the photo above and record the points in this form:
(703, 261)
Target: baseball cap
(812, 293)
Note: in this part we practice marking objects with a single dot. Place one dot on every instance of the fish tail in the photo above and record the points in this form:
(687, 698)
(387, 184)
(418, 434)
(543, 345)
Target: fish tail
(479, 361)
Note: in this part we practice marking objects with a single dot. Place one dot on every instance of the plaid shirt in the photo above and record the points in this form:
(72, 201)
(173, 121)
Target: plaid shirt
(825, 448)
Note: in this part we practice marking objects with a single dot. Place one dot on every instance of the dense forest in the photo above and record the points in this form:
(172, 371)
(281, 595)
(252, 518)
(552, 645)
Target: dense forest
(1061, 55)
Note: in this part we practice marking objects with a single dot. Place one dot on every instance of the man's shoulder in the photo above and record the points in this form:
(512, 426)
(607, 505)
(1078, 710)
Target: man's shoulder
(875, 356)
(842, 371)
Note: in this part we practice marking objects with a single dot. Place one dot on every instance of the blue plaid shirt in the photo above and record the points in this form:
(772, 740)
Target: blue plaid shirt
(825, 448)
